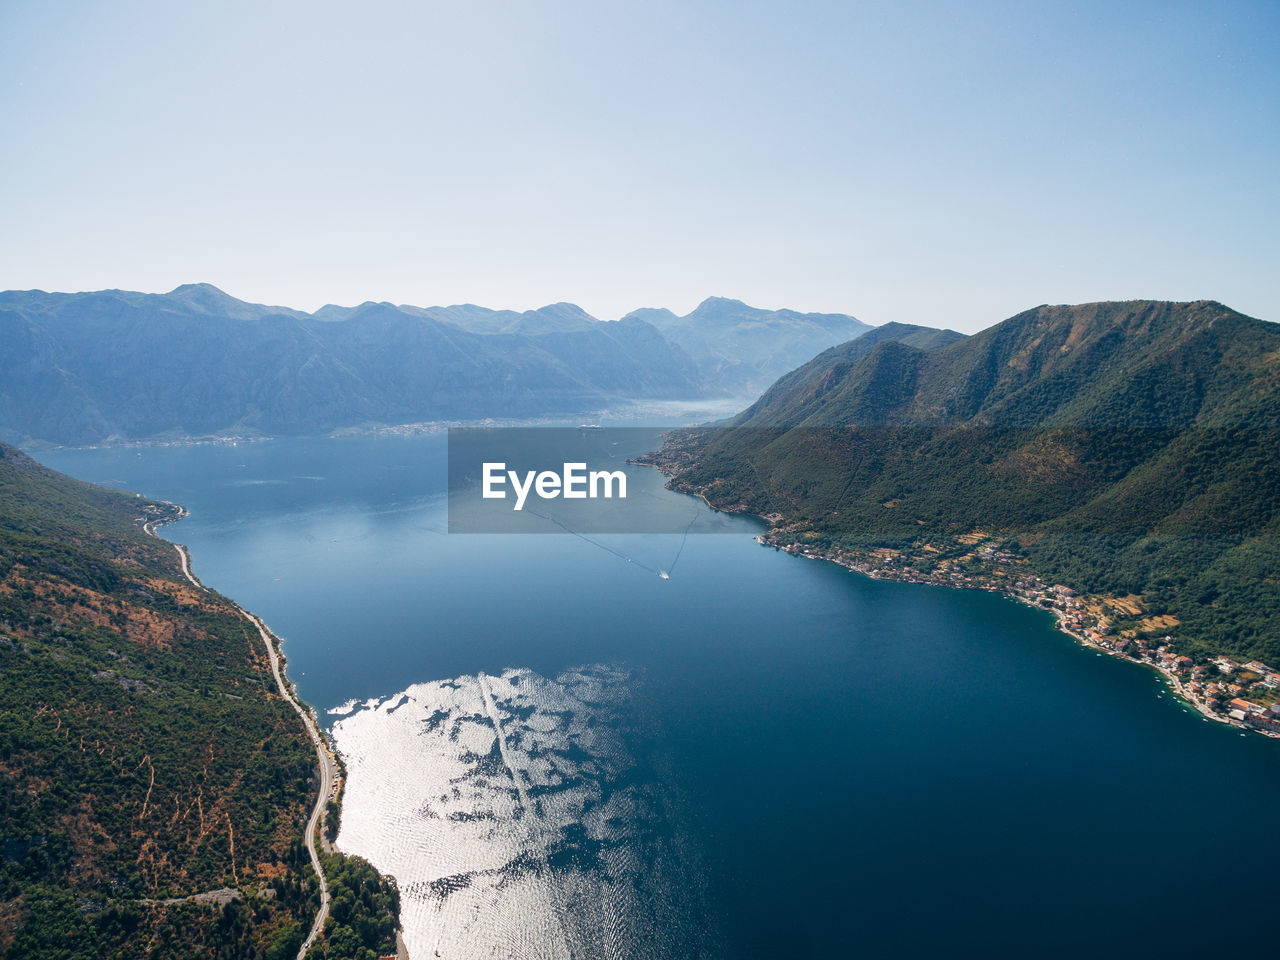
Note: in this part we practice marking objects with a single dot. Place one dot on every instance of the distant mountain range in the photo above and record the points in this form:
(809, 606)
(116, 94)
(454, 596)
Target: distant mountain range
(555, 318)
(744, 349)
(1123, 449)
(87, 367)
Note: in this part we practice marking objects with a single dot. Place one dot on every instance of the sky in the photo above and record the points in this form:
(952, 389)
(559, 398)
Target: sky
(948, 164)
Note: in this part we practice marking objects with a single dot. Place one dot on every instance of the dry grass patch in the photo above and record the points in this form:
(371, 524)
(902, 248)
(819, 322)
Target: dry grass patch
(1130, 606)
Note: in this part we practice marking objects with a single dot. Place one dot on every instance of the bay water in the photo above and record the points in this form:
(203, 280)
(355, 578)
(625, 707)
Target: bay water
(559, 753)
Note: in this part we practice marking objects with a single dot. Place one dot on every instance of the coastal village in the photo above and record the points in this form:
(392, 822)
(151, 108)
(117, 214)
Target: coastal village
(1244, 695)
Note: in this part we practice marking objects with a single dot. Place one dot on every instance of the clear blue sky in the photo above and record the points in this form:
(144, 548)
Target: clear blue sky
(947, 164)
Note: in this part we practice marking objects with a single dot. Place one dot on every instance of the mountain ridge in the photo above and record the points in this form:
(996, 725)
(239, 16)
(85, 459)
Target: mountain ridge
(84, 368)
(101, 365)
(746, 348)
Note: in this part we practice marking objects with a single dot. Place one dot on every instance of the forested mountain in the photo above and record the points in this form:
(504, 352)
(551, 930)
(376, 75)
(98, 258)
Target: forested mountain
(741, 349)
(819, 389)
(1121, 448)
(145, 754)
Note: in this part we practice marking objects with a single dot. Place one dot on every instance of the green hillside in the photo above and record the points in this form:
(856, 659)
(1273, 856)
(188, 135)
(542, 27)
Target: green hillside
(1123, 449)
(145, 753)
(817, 390)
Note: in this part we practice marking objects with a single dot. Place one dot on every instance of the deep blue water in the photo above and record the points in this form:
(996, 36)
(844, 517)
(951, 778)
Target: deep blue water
(869, 768)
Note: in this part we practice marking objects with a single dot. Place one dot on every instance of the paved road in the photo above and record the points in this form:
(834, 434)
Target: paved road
(328, 775)
(328, 768)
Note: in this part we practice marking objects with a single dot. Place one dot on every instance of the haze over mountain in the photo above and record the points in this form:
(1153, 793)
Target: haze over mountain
(554, 318)
(1123, 448)
(87, 367)
(744, 349)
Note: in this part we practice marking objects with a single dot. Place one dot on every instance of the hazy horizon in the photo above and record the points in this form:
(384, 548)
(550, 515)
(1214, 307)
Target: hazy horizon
(925, 164)
(532, 308)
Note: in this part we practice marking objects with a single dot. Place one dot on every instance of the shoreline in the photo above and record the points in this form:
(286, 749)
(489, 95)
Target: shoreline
(658, 409)
(1063, 606)
(330, 778)
(1171, 678)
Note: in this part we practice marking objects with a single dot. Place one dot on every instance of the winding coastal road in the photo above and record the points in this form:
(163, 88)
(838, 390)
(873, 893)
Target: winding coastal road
(328, 767)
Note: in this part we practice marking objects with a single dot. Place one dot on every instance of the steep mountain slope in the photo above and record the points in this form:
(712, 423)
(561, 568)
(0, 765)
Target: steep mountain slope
(741, 349)
(1121, 448)
(144, 752)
